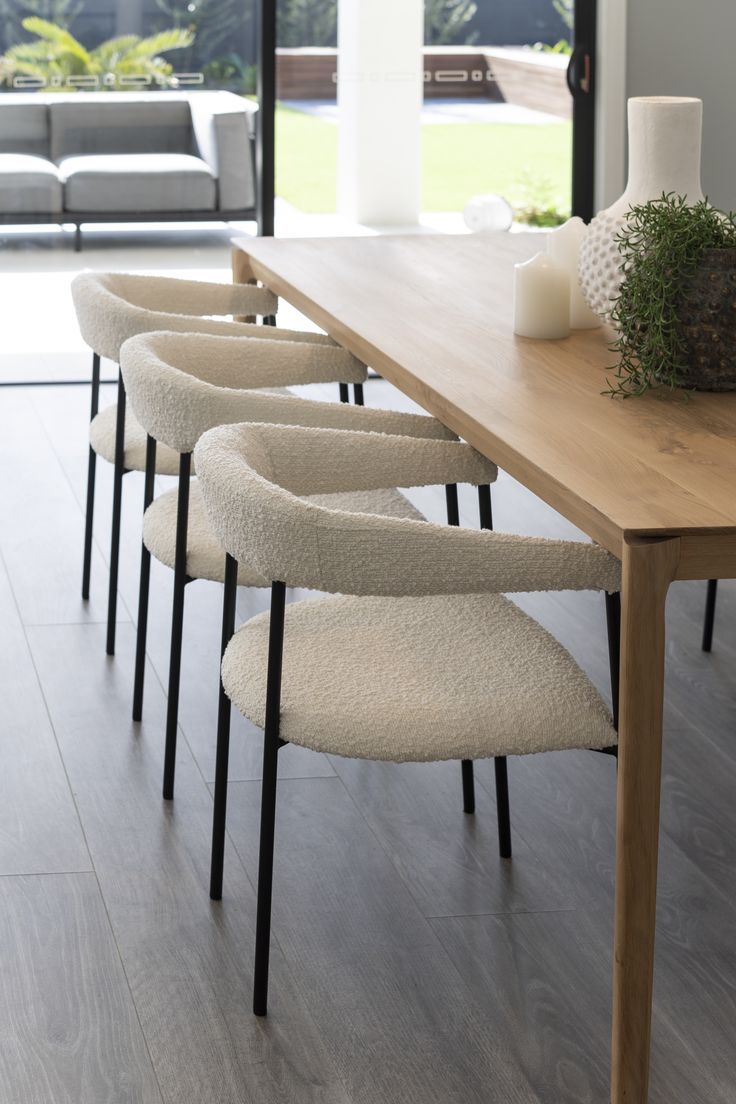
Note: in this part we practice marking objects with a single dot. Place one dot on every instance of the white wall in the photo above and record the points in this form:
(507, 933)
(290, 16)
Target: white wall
(688, 48)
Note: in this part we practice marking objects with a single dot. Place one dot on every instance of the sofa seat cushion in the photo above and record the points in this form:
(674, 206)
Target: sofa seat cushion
(137, 182)
(28, 185)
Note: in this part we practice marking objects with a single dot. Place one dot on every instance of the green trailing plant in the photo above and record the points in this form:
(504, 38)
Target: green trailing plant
(56, 55)
(662, 243)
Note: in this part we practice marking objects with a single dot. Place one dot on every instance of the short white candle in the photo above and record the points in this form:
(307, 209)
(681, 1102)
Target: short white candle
(541, 299)
(563, 246)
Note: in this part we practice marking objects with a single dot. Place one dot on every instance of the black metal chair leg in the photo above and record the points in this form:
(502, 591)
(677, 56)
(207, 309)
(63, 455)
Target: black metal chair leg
(143, 587)
(485, 507)
(503, 807)
(271, 745)
(486, 521)
(358, 394)
(453, 509)
(117, 502)
(223, 736)
(91, 471)
(177, 623)
(710, 614)
(468, 776)
(344, 393)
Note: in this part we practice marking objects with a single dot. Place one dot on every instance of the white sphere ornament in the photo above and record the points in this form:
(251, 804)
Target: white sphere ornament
(488, 213)
(665, 139)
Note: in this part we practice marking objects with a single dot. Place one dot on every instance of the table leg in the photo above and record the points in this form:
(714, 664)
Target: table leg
(242, 274)
(648, 568)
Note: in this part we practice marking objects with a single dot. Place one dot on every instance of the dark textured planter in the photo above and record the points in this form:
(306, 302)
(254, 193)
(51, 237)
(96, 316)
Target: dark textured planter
(708, 316)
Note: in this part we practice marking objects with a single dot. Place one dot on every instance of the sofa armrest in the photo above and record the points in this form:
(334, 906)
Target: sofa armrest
(224, 125)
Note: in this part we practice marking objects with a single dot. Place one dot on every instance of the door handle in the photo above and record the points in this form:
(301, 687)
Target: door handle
(579, 72)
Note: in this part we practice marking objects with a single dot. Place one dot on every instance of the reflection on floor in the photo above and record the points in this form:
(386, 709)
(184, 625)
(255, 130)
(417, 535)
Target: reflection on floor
(40, 338)
(410, 964)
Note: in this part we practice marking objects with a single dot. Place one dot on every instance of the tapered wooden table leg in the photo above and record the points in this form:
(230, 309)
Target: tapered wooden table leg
(242, 274)
(648, 569)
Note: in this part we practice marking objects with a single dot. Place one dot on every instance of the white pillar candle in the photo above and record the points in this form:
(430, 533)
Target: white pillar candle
(541, 299)
(563, 246)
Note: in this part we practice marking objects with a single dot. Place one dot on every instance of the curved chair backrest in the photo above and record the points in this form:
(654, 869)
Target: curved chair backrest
(113, 306)
(251, 477)
(180, 385)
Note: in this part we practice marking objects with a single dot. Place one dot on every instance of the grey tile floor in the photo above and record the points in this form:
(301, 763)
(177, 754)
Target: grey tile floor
(410, 963)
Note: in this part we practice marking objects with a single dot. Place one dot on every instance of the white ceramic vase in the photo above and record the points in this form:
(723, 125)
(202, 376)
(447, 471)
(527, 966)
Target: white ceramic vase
(665, 137)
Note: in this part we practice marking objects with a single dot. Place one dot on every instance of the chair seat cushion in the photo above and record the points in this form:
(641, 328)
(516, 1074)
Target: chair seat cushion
(205, 556)
(418, 679)
(137, 182)
(102, 432)
(29, 185)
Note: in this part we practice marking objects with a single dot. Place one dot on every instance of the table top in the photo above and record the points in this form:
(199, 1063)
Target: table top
(433, 314)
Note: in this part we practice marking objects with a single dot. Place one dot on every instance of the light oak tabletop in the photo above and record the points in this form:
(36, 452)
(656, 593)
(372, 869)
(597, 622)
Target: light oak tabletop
(433, 314)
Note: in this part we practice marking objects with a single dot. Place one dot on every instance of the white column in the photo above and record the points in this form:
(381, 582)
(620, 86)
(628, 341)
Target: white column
(379, 95)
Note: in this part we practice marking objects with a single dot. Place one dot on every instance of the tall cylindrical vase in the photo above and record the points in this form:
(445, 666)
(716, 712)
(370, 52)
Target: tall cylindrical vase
(665, 138)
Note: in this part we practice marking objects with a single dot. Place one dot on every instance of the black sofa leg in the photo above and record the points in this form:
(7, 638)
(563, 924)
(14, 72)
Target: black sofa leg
(78, 239)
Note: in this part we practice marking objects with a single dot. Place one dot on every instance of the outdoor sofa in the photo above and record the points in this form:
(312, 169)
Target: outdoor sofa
(126, 157)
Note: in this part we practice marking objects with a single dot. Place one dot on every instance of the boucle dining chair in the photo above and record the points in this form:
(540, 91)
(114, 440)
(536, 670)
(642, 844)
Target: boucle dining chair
(178, 387)
(457, 670)
(112, 307)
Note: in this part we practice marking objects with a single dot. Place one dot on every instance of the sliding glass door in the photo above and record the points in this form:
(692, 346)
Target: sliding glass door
(581, 77)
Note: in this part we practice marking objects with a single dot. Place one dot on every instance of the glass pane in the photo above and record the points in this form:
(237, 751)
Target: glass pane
(93, 44)
(497, 110)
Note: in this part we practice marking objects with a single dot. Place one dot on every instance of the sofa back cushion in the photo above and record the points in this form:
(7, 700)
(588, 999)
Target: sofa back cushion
(109, 124)
(24, 128)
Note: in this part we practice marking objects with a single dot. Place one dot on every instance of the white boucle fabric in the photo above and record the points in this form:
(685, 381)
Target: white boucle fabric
(463, 677)
(252, 476)
(102, 434)
(206, 558)
(179, 386)
(113, 306)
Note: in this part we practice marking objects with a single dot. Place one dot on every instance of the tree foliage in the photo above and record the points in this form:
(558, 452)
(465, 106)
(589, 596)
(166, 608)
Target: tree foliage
(446, 22)
(314, 22)
(56, 55)
(13, 12)
(307, 22)
(566, 11)
(214, 23)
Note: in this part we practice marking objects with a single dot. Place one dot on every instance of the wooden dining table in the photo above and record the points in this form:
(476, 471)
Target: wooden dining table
(652, 479)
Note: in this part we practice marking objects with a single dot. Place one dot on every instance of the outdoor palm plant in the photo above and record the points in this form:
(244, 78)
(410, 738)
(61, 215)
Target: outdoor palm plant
(56, 56)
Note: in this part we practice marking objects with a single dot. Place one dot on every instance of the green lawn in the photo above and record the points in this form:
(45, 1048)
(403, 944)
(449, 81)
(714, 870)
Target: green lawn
(528, 164)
